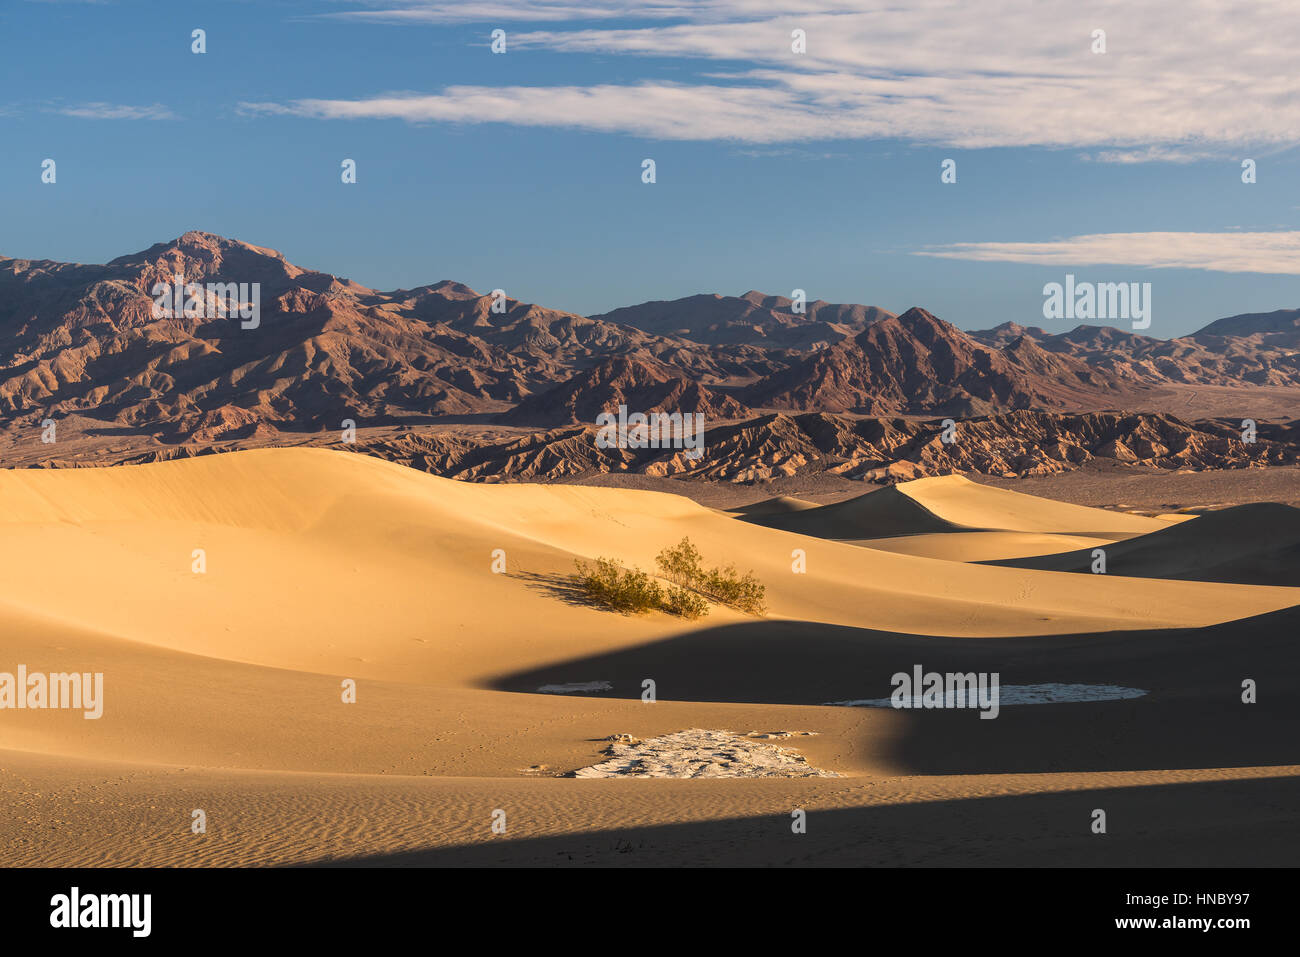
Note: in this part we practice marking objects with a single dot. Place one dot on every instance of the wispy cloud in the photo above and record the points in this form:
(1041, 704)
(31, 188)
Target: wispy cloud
(662, 111)
(557, 11)
(1152, 154)
(1271, 252)
(788, 152)
(1181, 79)
(116, 111)
(503, 11)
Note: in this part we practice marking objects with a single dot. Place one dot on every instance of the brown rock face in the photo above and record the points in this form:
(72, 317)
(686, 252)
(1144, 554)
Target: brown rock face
(639, 385)
(1258, 348)
(84, 345)
(880, 449)
(751, 319)
(917, 363)
(84, 341)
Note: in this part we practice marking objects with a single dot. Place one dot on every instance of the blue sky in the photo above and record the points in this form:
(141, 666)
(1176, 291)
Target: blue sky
(775, 170)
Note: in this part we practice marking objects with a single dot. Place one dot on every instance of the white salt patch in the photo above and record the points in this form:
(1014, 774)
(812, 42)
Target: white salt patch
(1017, 694)
(576, 687)
(699, 753)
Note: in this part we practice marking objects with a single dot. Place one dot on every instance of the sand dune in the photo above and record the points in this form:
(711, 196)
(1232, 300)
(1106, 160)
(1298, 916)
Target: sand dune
(968, 504)
(1257, 543)
(322, 566)
(950, 503)
(877, 514)
(981, 546)
(343, 564)
(952, 518)
(780, 505)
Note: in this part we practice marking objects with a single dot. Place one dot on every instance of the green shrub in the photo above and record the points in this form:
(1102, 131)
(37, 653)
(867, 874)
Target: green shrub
(680, 564)
(684, 603)
(609, 583)
(743, 592)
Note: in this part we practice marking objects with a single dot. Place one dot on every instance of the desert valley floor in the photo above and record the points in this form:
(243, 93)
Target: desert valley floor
(223, 689)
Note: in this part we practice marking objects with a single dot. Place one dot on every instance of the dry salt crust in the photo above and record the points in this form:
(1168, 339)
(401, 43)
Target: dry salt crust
(700, 753)
(1018, 694)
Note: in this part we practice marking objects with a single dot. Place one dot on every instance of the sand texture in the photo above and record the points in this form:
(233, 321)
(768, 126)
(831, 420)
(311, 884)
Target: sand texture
(233, 602)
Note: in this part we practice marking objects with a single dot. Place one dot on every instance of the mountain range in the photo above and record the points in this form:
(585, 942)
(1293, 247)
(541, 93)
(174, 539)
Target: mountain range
(85, 344)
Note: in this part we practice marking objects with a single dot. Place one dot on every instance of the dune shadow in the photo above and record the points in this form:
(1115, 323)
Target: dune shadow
(560, 587)
(1239, 823)
(1191, 716)
(1255, 544)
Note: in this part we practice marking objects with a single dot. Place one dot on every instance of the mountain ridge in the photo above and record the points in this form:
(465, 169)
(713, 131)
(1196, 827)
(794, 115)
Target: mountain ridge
(83, 343)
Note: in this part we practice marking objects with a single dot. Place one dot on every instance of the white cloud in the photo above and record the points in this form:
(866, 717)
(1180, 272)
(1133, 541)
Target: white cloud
(1181, 79)
(1272, 252)
(113, 111)
(657, 110)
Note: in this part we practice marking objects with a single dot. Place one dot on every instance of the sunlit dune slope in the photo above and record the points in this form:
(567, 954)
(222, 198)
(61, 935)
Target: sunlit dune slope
(981, 546)
(339, 563)
(324, 565)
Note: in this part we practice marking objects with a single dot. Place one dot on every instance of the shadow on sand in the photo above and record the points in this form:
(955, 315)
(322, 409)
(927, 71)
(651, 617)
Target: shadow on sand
(1192, 716)
(1228, 823)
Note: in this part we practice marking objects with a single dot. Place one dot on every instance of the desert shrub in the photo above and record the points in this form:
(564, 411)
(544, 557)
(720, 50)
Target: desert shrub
(684, 603)
(680, 564)
(609, 583)
(743, 592)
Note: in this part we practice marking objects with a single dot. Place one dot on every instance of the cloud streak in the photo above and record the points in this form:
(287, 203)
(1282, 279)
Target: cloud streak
(1180, 79)
(1270, 252)
(113, 111)
(507, 12)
